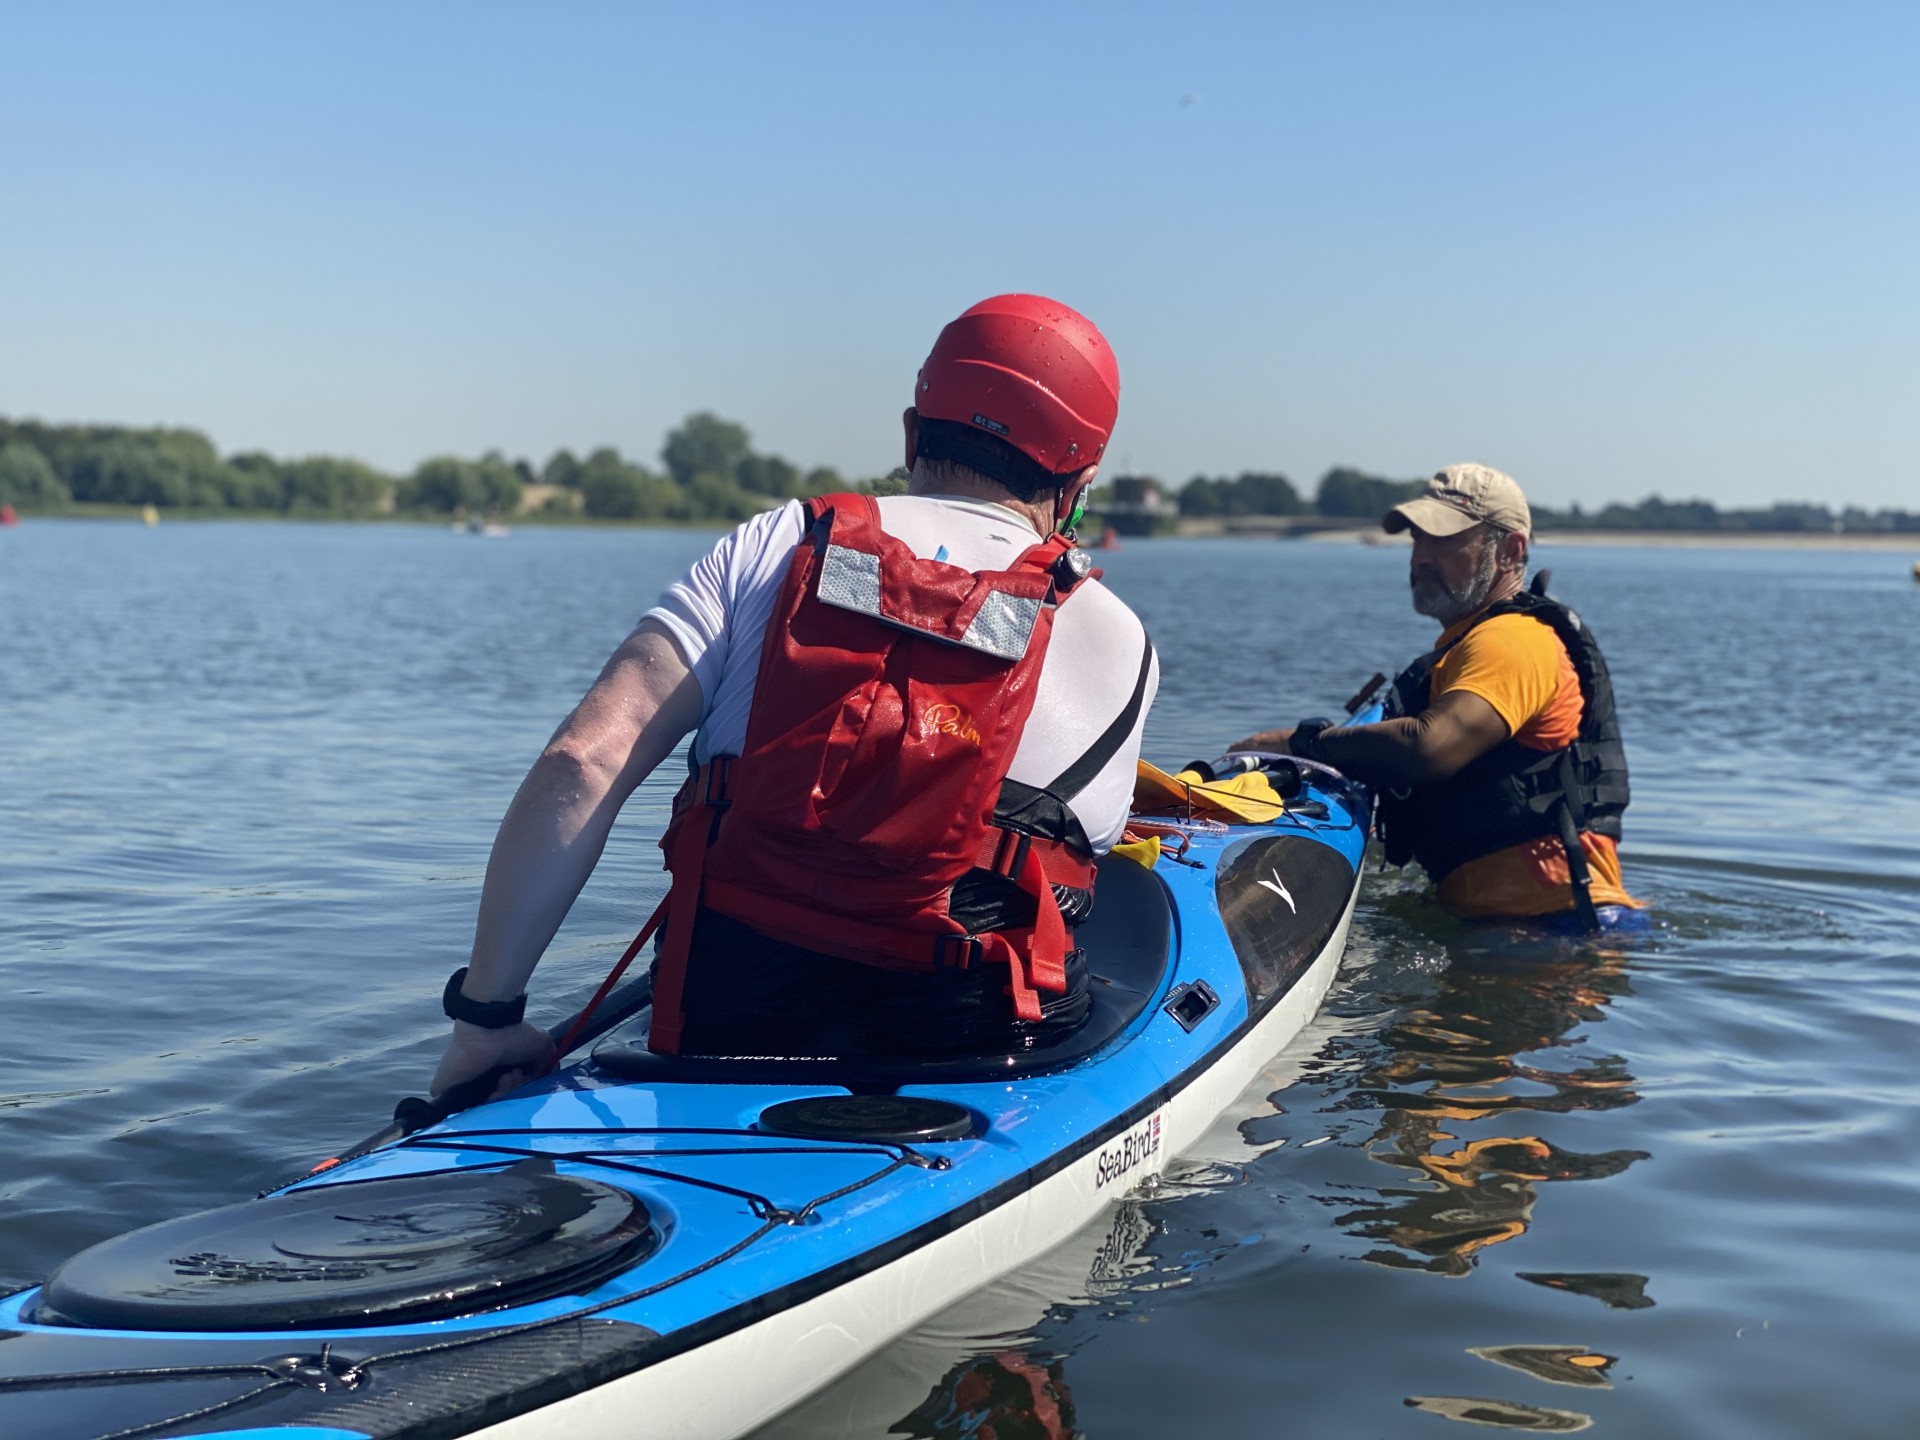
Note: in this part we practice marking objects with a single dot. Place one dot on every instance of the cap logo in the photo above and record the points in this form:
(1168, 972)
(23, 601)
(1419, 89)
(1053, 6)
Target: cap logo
(985, 424)
(1459, 499)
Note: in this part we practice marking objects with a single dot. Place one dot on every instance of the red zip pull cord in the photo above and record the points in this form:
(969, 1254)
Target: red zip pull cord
(606, 986)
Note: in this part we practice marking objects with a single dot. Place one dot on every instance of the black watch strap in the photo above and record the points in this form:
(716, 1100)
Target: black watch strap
(1305, 741)
(487, 1014)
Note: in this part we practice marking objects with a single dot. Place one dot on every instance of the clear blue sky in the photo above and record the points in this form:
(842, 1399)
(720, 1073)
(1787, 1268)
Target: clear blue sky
(1612, 249)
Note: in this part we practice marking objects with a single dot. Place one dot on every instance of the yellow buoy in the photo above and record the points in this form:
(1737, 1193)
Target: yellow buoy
(149, 515)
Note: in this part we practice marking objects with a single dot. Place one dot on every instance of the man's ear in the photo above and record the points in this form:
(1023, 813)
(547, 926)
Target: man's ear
(1515, 548)
(1070, 494)
(910, 422)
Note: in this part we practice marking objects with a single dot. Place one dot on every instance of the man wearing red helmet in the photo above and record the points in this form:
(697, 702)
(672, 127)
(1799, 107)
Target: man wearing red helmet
(917, 722)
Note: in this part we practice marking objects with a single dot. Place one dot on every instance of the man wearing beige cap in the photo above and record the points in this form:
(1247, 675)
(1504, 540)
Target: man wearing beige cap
(1500, 767)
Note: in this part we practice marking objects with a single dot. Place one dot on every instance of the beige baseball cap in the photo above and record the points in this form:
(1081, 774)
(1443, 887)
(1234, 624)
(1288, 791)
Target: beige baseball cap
(1460, 497)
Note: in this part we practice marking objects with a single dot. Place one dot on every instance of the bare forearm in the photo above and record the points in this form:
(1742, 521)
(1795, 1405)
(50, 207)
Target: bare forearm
(548, 844)
(1275, 740)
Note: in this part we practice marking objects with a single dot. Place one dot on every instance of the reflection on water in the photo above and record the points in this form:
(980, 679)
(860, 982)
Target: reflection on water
(1464, 1073)
(1613, 1290)
(1501, 1414)
(1008, 1395)
(1556, 1364)
(1477, 1050)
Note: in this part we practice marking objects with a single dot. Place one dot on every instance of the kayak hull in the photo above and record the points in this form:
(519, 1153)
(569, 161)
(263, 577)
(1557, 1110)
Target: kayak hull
(775, 1261)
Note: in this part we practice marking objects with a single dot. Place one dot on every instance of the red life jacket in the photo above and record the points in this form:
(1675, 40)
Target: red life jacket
(891, 696)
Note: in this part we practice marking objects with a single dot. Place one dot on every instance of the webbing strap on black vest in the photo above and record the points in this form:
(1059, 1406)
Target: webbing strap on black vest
(1579, 876)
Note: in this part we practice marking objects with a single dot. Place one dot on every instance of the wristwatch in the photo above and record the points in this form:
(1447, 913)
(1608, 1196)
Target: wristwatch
(1305, 740)
(487, 1014)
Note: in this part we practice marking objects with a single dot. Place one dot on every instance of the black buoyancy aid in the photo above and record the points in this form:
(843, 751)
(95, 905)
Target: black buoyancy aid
(1514, 793)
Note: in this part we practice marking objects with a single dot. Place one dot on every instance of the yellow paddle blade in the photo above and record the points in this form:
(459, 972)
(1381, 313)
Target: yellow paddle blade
(1248, 798)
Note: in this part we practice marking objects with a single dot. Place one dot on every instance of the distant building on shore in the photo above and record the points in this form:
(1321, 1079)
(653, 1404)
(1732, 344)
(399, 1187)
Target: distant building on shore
(1133, 505)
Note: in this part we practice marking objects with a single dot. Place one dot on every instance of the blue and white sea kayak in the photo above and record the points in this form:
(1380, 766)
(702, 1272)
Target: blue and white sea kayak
(638, 1246)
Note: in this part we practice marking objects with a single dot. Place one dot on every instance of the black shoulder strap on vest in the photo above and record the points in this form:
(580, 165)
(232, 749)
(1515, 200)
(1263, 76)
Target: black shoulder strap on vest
(1043, 811)
(1077, 776)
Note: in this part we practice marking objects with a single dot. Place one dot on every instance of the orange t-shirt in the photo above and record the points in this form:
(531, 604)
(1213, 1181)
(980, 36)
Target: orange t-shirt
(1517, 665)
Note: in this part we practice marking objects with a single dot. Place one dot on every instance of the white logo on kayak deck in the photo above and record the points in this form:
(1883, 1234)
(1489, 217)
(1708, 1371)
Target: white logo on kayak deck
(1128, 1153)
(1280, 889)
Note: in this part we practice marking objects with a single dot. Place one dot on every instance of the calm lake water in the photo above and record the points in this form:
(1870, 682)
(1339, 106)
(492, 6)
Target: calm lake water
(1668, 1190)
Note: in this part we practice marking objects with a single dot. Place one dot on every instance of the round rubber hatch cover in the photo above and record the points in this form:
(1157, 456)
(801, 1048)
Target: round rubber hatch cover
(885, 1119)
(376, 1252)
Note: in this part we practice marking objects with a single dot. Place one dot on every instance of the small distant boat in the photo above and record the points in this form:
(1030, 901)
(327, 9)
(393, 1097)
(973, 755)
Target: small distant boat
(1109, 540)
(149, 515)
(474, 525)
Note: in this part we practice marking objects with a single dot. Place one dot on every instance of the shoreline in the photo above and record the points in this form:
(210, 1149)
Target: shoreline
(1750, 540)
(1867, 540)
(1668, 539)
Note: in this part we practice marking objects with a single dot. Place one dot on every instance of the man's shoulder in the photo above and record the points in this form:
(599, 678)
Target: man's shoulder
(774, 530)
(1093, 618)
(1515, 636)
(1102, 601)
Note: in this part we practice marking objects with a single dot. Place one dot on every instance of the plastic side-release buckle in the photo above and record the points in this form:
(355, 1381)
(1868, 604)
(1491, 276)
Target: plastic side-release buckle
(1010, 853)
(958, 952)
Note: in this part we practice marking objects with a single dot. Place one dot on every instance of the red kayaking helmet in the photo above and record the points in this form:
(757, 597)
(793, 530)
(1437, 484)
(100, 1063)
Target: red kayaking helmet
(1031, 371)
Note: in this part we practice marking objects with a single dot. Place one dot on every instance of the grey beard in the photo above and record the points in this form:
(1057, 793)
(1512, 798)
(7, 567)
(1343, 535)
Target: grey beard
(1437, 600)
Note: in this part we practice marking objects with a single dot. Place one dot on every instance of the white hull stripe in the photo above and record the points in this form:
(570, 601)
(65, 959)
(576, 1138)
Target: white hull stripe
(739, 1380)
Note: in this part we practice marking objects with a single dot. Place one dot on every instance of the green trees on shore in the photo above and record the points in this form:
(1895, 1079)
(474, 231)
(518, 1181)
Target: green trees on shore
(1353, 494)
(1784, 517)
(711, 472)
(1342, 491)
(50, 467)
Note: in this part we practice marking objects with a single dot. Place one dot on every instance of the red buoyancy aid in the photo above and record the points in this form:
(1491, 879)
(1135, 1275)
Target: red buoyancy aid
(890, 699)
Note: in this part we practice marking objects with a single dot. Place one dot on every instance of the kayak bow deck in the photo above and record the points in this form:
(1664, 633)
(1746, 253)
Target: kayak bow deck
(686, 1247)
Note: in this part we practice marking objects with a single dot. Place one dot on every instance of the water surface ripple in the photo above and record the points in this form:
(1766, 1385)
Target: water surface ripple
(1665, 1189)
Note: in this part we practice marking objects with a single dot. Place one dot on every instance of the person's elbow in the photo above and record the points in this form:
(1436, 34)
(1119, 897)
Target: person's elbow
(1446, 739)
(581, 759)
(1433, 754)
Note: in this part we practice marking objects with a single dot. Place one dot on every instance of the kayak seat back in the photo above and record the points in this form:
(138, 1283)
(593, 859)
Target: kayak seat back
(1129, 943)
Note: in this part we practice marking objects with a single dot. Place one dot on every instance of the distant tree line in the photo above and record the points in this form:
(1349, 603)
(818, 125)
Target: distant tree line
(1785, 517)
(709, 471)
(1346, 492)
(1342, 491)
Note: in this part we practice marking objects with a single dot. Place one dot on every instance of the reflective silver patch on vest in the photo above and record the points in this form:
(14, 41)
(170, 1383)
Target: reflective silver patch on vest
(850, 580)
(1003, 625)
